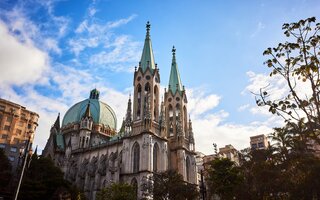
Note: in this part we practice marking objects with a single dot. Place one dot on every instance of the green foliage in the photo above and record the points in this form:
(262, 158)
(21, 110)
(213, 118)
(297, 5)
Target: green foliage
(42, 180)
(224, 178)
(170, 185)
(296, 61)
(117, 191)
(5, 170)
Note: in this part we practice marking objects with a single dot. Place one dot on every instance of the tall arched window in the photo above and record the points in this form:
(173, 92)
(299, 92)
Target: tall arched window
(155, 157)
(134, 183)
(170, 120)
(177, 109)
(136, 157)
(155, 103)
(185, 121)
(188, 168)
(139, 101)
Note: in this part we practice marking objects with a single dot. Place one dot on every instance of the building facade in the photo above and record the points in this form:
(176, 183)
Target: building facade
(155, 135)
(259, 142)
(17, 126)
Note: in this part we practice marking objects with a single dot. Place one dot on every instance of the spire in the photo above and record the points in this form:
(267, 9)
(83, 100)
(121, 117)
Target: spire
(147, 59)
(56, 124)
(174, 80)
(162, 120)
(94, 94)
(191, 138)
(87, 113)
(128, 119)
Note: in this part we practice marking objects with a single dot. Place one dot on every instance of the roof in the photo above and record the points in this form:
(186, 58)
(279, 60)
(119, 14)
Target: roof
(101, 113)
(147, 58)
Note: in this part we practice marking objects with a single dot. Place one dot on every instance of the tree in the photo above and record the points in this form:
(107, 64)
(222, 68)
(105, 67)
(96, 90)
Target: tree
(117, 191)
(169, 185)
(224, 178)
(5, 172)
(43, 180)
(296, 61)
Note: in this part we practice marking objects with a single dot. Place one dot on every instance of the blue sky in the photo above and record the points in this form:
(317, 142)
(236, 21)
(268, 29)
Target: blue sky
(53, 52)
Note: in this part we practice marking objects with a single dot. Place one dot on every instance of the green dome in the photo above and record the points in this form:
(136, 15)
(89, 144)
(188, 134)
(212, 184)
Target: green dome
(101, 113)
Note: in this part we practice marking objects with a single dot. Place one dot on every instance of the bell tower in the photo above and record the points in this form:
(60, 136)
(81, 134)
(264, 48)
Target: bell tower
(146, 91)
(179, 130)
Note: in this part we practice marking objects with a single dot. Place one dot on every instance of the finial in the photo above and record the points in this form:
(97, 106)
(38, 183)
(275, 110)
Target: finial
(130, 96)
(173, 50)
(135, 68)
(148, 25)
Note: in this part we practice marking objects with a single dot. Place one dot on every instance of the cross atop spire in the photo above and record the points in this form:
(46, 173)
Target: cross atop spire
(174, 81)
(148, 25)
(147, 58)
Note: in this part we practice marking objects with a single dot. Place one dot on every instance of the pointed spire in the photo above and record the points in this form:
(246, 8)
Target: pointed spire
(128, 119)
(191, 138)
(174, 80)
(87, 113)
(162, 120)
(56, 124)
(147, 58)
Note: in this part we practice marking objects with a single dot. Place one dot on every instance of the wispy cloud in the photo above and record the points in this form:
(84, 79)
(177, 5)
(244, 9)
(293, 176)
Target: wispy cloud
(260, 26)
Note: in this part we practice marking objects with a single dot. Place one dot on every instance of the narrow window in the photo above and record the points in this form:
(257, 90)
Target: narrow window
(136, 157)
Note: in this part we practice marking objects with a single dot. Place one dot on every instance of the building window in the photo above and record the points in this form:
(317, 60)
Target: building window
(155, 157)
(136, 157)
(4, 136)
(11, 158)
(9, 118)
(6, 127)
(18, 132)
(188, 168)
(254, 146)
(134, 183)
(29, 126)
(16, 140)
(2, 146)
(20, 123)
(260, 145)
(2, 107)
(13, 149)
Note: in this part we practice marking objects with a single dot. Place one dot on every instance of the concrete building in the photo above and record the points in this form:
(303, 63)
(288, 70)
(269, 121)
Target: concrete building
(155, 136)
(17, 125)
(229, 152)
(259, 142)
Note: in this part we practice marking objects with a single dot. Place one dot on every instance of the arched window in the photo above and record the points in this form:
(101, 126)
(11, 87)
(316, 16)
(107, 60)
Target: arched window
(170, 120)
(134, 183)
(188, 168)
(147, 88)
(155, 103)
(155, 157)
(185, 121)
(139, 101)
(177, 109)
(136, 157)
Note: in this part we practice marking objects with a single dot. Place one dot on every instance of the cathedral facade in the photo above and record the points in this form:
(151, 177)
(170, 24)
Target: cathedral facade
(154, 137)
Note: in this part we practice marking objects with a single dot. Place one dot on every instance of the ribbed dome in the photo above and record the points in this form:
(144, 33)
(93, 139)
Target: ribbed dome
(101, 113)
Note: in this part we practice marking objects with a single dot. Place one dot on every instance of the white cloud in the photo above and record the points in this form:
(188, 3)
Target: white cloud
(243, 107)
(20, 62)
(259, 28)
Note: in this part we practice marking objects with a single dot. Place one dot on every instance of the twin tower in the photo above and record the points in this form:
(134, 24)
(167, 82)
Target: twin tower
(166, 121)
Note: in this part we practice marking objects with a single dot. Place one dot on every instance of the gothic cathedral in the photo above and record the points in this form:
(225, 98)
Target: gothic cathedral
(155, 136)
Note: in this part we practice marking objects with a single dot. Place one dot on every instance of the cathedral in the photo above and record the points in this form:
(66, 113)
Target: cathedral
(155, 135)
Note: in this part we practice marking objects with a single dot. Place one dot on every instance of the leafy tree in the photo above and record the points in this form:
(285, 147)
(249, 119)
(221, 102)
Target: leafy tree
(296, 61)
(224, 178)
(169, 185)
(117, 191)
(5, 172)
(43, 180)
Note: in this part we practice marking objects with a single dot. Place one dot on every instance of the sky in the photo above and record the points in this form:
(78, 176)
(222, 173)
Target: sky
(53, 52)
